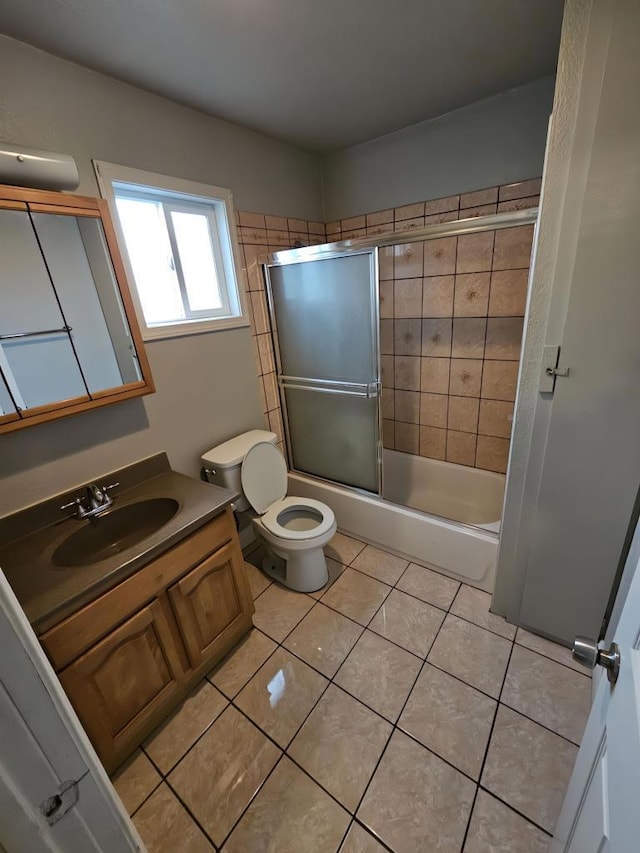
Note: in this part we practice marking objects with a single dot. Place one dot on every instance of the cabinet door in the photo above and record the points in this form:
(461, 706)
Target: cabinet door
(212, 603)
(121, 683)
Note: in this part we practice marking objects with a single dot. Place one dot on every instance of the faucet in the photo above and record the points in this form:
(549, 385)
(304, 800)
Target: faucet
(93, 503)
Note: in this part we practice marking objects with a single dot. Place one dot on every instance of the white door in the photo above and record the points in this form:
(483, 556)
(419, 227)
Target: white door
(54, 794)
(601, 811)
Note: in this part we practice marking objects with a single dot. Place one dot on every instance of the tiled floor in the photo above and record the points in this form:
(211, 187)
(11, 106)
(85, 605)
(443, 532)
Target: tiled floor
(390, 711)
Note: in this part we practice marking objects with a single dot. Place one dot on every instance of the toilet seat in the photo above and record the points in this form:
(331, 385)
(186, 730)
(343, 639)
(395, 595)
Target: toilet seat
(264, 483)
(308, 512)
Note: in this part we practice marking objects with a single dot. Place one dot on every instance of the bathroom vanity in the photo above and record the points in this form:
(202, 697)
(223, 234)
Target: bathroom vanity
(133, 617)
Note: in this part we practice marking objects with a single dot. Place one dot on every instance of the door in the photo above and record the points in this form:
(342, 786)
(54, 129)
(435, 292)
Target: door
(212, 604)
(324, 312)
(600, 812)
(586, 434)
(119, 684)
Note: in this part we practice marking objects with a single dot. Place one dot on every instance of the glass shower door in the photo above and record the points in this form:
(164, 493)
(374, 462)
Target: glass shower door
(325, 320)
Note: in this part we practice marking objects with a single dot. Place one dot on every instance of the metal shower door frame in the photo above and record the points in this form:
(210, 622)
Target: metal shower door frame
(370, 390)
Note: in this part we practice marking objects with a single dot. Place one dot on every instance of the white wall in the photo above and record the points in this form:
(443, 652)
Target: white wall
(206, 384)
(494, 141)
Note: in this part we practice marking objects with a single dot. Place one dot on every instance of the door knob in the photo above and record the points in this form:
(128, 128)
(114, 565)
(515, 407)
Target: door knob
(586, 651)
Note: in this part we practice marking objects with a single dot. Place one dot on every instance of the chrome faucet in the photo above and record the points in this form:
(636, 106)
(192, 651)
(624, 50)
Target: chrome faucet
(95, 501)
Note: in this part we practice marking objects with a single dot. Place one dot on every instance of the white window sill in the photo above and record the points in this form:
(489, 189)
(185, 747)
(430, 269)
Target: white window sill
(181, 330)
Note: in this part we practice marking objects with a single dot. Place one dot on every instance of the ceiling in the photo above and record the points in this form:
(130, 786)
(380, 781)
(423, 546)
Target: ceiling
(319, 74)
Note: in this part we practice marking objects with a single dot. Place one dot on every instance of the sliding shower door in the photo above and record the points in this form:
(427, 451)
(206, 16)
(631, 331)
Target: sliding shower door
(324, 312)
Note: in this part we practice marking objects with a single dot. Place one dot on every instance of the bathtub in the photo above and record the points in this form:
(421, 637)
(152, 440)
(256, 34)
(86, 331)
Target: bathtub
(430, 489)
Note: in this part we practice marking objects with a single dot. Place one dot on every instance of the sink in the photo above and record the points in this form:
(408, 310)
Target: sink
(113, 532)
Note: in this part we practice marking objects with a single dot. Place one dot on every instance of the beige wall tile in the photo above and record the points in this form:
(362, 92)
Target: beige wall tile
(278, 240)
(252, 220)
(480, 210)
(463, 414)
(259, 307)
(407, 297)
(495, 418)
(409, 211)
(388, 370)
(385, 262)
(386, 337)
(513, 248)
(461, 447)
(353, 222)
(384, 228)
(275, 423)
(471, 294)
(508, 293)
(386, 298)
(409, 224)
(265, 349)
(353, 233)
(442, 205)
(276, 223)
(316, 228)
(499, 380)
(433, 410)
(434, 376)
(255, 236)
(406, 437)
(520, 189)
(388, 434)
(298, 225)
(333, 227)
(407, 406)
(387, 403)
(380, 217)
(408, 260)
(465, 377)
(504, 338)
(439, 218)
(270, 391)
(440, 256)
(407, 337)
(488, 196)
(437, 296)
(475, 252)
(468, 337)
(492, 453)
(407, 373)
(519, 204)
(436, 337)
(433, 442)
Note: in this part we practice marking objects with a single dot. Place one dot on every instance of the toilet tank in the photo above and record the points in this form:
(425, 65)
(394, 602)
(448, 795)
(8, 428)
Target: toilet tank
(223, 463)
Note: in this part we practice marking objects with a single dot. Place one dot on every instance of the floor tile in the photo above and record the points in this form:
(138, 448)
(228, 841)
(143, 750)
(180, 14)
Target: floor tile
(135, 780)
(278, 610)
(335, 569)
(472, 654)
(473, 605)
(258, 581)
(357, 596)
(218, 777)
(416, 801)
(340, 744)
(555, 651)
(449, 718)
(495, 828)
(343, 548)
(172, 739)
(290, 813)
(429, 586)
(547, 692)
(323, 639)
(165, 826)
(280, 695)
(242, 662)
(358, 840)
(410, 623)
(380, 565)
(379, 674)
(528, 767)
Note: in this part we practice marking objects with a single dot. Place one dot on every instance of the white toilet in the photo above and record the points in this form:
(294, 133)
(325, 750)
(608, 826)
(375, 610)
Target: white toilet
(294, 530)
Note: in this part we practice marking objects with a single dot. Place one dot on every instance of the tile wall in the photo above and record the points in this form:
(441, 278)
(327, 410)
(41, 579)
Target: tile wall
(451, 320)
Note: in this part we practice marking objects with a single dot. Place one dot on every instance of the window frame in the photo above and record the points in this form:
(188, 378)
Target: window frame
(219, 202)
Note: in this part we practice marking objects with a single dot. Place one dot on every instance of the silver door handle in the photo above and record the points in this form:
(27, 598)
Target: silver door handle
(585, 650)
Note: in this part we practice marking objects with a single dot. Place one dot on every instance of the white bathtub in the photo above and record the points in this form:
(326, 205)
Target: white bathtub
(457, 549)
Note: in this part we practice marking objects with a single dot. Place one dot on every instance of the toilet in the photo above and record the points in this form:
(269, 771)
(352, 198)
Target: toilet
(293, 530)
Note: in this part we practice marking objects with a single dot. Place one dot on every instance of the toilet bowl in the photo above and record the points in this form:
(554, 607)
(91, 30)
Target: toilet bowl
(293, 530)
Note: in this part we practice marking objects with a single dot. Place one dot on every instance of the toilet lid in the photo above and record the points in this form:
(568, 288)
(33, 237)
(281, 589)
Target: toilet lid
(264, 476)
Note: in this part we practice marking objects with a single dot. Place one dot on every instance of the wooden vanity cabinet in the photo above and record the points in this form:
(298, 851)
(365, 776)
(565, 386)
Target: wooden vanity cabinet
(130, 656)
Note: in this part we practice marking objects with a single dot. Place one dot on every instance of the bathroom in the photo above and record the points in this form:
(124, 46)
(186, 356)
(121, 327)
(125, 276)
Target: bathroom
(457, 406)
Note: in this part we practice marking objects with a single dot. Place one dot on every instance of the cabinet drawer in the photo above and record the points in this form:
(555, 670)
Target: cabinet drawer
(123, 682)
(211, 604)
(78, 632)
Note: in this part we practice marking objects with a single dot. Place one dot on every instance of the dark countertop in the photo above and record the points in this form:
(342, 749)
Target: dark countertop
(48, 593)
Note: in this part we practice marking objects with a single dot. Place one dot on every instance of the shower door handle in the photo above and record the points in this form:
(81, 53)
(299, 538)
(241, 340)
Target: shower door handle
(369, 390)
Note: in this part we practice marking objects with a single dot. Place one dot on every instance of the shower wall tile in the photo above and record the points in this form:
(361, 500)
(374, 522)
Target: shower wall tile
(407, 339)
(382, 217)
(465, 377)
(492, 453)
(504, 337)
(440, 256)
(463, 414)
(442, 205)
(408, 260)
(407, 406)
(407, 372)
(437, 296)
(385, 263)
(407, 298)
(409, 211)
(388, 433)
(386, 299)
(468, 337)
(475, 252)
(433, 410)
(471, 294)
(461, 447)
(508, 293)
(434, 375)
(481, 210)
(495, 418)
(513, 248)
(406, 437)
(436, 337)
(522, 189)
(488, 196)
(499, 379)
(519, 204)
(433, 442)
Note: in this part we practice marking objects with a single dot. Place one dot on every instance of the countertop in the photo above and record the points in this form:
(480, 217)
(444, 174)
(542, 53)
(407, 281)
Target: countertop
(49, 593)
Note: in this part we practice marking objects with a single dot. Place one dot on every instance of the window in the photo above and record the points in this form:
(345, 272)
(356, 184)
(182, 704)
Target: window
(180, 248)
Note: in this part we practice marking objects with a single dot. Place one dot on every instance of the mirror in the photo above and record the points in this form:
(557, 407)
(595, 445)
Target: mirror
(66, 336)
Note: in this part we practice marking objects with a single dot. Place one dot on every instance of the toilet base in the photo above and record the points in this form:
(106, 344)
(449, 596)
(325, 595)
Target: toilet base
(302, 571)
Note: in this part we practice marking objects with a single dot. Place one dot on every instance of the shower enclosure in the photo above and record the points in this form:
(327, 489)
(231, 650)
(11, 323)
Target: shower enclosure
(397, 361)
